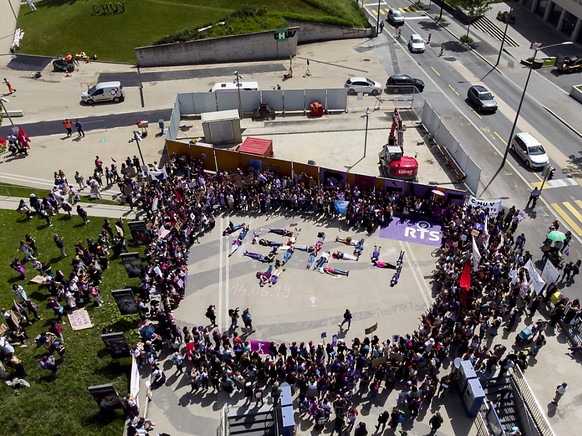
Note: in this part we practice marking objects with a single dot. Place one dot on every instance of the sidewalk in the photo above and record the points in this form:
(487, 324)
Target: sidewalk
(93, 209)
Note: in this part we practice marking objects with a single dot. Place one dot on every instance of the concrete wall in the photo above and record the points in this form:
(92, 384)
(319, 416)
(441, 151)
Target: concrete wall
(315, 32)
(251, 47)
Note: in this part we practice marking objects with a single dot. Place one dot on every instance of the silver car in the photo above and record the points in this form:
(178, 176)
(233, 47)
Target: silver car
(416, 43)
(363, 85)
(530, 150)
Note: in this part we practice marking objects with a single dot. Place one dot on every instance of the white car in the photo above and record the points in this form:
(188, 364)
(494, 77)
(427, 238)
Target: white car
(416, 43)
(530, 150)
(362, 85)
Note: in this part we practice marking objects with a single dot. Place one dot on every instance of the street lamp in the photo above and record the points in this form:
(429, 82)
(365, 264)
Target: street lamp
(536, 47)
(504, 35)
(366, 116)
(4, 110)
(238, 77)
(137, 138)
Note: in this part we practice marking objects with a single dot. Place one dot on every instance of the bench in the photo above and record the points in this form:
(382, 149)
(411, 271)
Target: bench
(461, 175)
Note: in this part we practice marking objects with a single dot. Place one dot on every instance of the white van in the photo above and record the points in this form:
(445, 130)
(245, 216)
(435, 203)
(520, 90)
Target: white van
(231, 86)
(105, 91)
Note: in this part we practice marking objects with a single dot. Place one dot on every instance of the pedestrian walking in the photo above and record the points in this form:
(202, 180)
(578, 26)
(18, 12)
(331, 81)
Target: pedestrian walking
(69, 126)
(435, 422)
(32, 244)
(60, 243)
(233, 313)
(533, 197)
(179, 362)
(25, 248)
(11, 90)
(560, 391)
(247, 320)
(211, 314)
(382, 421)
(80, 180)
(347, 319)
(381, 26)
(31, 5)
(79, 127)
(83, 214)
(258, 396)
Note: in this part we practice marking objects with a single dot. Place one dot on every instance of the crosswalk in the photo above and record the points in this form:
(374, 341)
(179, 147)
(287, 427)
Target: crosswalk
(384, 11)
(571, 214)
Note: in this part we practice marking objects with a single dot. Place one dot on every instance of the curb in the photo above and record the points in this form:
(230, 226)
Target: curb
(564, 122)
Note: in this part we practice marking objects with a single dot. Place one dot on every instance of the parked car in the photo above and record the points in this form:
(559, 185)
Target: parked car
(416, 43)
(530, 150)
(403, 83)
(482, 98)
(104, 91)
(395, 17)
(362, 85)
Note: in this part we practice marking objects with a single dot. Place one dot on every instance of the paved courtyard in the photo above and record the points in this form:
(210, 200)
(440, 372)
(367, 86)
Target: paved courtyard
(302, 306)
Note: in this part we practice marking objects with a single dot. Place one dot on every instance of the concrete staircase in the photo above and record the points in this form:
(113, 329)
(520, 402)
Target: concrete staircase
(500, 392)
(252, 421)
(487, 26)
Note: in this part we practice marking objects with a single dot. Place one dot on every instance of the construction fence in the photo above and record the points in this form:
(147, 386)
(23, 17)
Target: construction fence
(215, 160)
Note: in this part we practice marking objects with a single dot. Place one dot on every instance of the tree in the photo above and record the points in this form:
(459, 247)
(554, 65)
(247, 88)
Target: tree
(473, 9)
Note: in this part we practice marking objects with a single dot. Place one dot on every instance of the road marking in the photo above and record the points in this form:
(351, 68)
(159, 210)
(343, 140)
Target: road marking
(573, 210)
(538, 176)
(559, 183)
(420, 282)
(500, 138)
(454, 90)
(437, 73)
(375, 13)
(579, 203)
(221, 255)
(567, 218)
(475, 112)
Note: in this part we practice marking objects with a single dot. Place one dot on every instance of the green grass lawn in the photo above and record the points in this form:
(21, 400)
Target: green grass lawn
(61, 26)
(63, 406)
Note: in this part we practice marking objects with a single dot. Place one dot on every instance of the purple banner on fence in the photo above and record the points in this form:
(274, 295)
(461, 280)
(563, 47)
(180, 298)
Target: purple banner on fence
(410, 230)
(261, 347)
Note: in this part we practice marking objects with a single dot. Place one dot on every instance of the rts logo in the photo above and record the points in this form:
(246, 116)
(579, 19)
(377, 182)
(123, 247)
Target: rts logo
(421, 230)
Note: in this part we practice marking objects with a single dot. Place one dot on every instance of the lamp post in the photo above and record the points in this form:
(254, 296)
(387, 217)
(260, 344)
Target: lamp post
(238, 77)
(4, 110)
(504, 36)
(366, 116)
(136, 138)
(536, 49)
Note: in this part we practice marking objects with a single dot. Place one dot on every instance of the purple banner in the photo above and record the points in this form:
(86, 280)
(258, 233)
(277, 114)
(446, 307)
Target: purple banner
(261, 347)
(332, 178)
(409, 230)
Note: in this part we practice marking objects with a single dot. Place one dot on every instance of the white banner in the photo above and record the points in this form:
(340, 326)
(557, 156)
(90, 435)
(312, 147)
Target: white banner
(550, 273)
(537, 282)
(476, 255)
(494, 206)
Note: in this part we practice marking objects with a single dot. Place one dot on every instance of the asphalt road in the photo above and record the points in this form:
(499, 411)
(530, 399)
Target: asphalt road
(484, 137)
(90, 123)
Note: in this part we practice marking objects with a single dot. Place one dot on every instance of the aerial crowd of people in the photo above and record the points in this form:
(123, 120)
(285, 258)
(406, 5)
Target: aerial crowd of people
(334, 379)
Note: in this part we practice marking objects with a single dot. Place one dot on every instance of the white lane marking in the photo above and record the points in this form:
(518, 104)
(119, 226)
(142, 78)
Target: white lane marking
(414, 269)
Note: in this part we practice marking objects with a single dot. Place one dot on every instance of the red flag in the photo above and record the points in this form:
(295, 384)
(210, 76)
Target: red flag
(23, 137)
(178, 196)
(465, 282)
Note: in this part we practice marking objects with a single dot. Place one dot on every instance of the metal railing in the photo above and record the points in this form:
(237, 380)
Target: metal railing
(222, 429)
(531, 403)
(481, 421)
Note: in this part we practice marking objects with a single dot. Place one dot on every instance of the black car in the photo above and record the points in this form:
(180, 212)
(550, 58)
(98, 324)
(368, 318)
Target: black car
(403, 83)
(481, 98)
